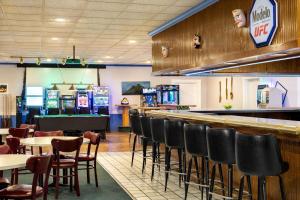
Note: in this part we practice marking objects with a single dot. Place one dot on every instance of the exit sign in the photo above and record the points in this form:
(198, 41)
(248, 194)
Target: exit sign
(263, 21)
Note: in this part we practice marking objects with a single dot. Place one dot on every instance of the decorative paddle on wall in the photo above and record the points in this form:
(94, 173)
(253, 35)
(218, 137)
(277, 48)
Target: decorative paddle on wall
(231, 88)
(220, 91)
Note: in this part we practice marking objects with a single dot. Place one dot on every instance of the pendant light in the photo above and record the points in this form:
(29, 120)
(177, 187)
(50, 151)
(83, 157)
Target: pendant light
(54, 87)
(72, 87)
(89, 87)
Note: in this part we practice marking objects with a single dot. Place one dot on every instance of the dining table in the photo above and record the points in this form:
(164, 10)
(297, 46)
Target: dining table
(13, 161)
(46, 141)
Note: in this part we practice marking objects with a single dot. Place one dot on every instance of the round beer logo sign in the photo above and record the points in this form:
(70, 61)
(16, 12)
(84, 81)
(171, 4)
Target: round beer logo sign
(263, 21)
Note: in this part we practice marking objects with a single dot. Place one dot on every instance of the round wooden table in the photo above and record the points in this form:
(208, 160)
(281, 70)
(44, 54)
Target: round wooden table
(46, 141)
(12, 161)
(3, 131)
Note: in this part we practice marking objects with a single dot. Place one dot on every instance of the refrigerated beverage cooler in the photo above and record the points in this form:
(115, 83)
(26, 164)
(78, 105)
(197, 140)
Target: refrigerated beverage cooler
(100, 100)
(168, 94)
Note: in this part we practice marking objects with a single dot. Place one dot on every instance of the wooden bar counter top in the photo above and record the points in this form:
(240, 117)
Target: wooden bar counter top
(287, 132)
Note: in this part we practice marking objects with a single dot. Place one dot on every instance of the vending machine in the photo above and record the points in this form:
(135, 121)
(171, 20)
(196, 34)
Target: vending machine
(100, 99)
(52, 102)
(68, 104)
(84, 101)
(168, 94)
(149, 97)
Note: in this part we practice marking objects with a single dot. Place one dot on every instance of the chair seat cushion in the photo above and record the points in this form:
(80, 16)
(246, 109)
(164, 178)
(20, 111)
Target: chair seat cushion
(19, 191)
(64, 163)
(84, 157)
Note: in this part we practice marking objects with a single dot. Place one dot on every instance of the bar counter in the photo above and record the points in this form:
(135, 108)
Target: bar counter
(287, 132)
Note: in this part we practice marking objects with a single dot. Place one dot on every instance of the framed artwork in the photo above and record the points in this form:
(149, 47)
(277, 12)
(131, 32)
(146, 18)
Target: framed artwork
(134, 88)
(3, 88)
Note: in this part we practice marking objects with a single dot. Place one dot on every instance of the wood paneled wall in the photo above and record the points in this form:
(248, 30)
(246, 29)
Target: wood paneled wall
(221, 39)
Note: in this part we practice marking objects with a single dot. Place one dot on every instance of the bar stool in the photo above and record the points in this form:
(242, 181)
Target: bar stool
(132, 112)
(158, 137)
(174, 139)
(221, 150)
(136, 130)
(259, 155)
(146, 137)
(195, 145)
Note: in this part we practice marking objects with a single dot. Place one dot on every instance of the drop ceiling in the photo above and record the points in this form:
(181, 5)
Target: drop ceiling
(104, 31)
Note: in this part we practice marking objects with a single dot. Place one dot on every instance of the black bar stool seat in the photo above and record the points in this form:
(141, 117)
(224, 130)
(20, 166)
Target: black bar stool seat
(259, 155)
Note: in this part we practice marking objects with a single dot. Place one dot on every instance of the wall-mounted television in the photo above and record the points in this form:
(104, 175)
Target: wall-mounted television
(34, 101)
(34, 91)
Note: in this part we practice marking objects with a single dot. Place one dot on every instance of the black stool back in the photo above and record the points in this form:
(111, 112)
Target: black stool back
(195, 139)
(259, 155)
(157, 130)
(135, 124)
(145, 126)
(174, 136)
(221, 145)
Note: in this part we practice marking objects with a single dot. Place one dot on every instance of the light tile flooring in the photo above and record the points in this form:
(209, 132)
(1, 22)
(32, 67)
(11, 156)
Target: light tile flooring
(138, 185)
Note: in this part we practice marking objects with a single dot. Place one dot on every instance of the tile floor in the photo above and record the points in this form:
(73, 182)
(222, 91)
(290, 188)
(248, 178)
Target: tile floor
(138, 185)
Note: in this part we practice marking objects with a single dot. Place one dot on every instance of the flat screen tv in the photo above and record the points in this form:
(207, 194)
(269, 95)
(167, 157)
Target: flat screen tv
(34, 91)
(34, 101)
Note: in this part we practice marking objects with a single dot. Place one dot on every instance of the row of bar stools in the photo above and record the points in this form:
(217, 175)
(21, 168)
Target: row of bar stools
(174, 140)
(259, 155)
(195, 145)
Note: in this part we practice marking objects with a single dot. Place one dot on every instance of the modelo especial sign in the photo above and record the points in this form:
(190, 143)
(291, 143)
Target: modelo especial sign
(263, 21)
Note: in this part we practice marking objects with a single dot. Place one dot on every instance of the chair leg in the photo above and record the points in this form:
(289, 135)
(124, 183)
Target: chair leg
(57, 183)
(264, 189)
(197, 170)
(153, 159)
(207, 177)
(249, 187)
(212, 180)
(145, 143)
(201, 180)
(71, 179)
(282, 193)
(230, 180)
(241, 190)
(186, 185)
(95, 172)
(180, 165)
(167, 165)
(88, 172)
(221, 178)
(133, 149)
(77, 182)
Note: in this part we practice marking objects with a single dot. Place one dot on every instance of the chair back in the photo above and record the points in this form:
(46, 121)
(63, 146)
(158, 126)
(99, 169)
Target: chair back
(157, 130)
(48, 133)
(94, 140)
(4, 149)
(133, 112)
(195, 139)
(173, 131)
(14, 144)
(29, 126)
(258, 155)
(39, 165)
(135, 124)
(59, 145)
(146, 126)
(19, 132)
(221, 145)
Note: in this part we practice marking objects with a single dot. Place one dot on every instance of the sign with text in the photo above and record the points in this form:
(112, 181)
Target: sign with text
(263, 21)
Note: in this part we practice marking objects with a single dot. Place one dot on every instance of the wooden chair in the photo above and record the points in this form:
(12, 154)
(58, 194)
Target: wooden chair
(47, 134)
(15, 148)
(19, 133)
(59, 162)
(39, 166)
(4, 182)
(88, 157)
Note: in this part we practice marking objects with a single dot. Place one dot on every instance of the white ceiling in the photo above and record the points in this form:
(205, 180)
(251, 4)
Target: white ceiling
(101, 29)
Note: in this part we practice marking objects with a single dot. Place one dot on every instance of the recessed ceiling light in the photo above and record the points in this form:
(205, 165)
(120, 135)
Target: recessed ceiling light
(132, 41)
(48, 60)
(148, 61)
(99, 61)
(54, 38)
(60, 19)
(108, 57)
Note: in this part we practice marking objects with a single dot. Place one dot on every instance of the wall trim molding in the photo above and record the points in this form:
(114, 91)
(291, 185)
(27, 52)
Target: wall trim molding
(201, 6)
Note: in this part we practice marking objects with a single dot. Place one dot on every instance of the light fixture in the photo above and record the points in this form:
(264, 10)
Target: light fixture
(108, 57)
(148, 61)
(82, 62)
(21, 60)
(54, 87)
(54, 38)
(72, 87)
(89, 87)
(38, 61)
(132, 41)
(48, 59)
(60, 19)
(63, 61)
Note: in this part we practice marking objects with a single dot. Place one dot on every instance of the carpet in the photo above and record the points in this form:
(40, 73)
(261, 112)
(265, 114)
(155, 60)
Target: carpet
(108, 188)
